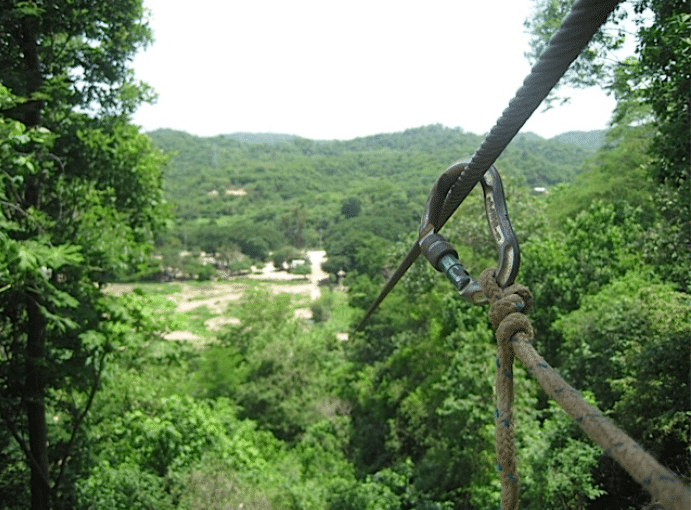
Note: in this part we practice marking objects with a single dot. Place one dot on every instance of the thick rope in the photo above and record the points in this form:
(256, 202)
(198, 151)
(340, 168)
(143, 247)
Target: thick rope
(514, 336)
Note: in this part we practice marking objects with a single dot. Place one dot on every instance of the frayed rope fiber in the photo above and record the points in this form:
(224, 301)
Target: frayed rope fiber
(514, 335)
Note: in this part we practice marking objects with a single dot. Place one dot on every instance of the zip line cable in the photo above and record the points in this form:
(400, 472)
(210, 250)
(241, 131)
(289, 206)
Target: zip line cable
(508, 301)
(576, 30)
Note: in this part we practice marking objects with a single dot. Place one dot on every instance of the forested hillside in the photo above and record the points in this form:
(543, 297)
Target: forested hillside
(200, 165)
(230, 195)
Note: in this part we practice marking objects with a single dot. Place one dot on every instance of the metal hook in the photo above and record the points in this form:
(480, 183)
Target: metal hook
(448, 192)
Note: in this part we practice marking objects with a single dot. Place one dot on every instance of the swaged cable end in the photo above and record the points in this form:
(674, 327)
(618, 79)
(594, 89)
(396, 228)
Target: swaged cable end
(466, 286)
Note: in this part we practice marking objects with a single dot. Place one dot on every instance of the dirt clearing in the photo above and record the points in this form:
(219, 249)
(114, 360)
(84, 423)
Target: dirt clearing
(217, 296)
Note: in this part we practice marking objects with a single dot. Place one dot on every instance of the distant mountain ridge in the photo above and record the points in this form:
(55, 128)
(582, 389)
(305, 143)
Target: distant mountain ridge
(229, 159)
(591, 140)
(258, 196)
(269, 138)
(587, 139)
(284, 168)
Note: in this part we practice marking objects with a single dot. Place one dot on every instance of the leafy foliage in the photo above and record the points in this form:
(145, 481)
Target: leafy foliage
(80, 201)
(556, 463)
(261, 196)
(272, 369)
(629, 343)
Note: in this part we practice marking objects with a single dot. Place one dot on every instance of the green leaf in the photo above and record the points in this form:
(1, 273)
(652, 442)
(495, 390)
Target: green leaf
(28, 260)
(30, 9)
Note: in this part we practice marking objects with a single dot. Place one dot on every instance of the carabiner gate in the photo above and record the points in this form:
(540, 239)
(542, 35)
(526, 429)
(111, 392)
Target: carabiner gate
(446, 195)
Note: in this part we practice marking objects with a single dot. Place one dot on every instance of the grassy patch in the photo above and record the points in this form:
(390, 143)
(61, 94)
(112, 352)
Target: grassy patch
(342, 315)
(160, 289)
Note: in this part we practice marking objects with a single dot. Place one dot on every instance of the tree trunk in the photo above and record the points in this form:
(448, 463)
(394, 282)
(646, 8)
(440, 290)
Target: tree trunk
(32, 66)
(36, 328)
(35, 406)
(34, 81)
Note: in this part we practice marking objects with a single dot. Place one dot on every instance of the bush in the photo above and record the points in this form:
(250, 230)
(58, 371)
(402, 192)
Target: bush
(285, 255)
(205, 272)
(321, 308)
(304, 269)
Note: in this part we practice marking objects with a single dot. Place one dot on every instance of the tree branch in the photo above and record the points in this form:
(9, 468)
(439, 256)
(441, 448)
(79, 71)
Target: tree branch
(22, 444)
(80, 418)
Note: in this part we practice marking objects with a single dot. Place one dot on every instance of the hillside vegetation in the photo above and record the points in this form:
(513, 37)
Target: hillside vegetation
(397, 417)
(240, 198)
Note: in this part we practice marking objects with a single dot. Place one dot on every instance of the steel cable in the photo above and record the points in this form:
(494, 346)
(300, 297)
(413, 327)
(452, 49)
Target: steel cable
(579, 26)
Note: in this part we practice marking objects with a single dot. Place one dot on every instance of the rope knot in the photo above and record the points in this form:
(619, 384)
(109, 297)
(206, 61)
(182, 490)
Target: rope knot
(507, 316)
(508, 306)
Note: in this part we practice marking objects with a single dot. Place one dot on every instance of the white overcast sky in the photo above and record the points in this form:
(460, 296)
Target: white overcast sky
(322, 69)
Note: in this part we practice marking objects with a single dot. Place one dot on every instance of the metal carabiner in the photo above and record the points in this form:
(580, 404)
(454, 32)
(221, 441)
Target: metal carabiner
(446, 195)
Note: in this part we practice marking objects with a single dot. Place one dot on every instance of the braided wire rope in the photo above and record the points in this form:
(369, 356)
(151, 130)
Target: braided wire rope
(579, 26)
(514, 339)
(513, 330)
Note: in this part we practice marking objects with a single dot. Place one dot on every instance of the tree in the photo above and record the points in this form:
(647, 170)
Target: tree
(629, 344)
(351, 207)
(660, 79)
(271, 367)
(600, 244)
(80, 201)
(656, 85)
(659, 76)
(594, 66)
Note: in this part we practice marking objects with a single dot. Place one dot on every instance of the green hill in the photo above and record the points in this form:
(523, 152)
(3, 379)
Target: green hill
(590, 140)
(291, 190)
(298, 166)
(261, 137)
